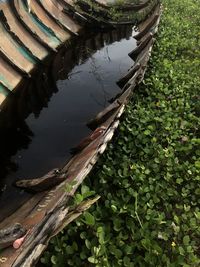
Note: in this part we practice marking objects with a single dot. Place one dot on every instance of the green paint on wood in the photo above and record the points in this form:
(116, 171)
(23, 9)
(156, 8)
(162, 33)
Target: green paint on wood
(4, 81)
(50, 34)
(3, 90)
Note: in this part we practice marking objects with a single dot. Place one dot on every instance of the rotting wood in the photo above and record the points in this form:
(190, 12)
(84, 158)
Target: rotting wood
(87, 7)
(125, 6)
(133, 54)
(43, 183)
(146, 25)
(62, 217)
(86, 141)
(128, 76)
(76, 169)
(103, 115)
(10, 234)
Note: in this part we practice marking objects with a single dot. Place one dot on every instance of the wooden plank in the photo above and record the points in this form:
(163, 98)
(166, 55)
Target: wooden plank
(127, 5)
(14, 52)
(55, 9)
(42, 33)
(17, 28)
(146, 25)
(8, 75)
(3, 93)
(45, 19)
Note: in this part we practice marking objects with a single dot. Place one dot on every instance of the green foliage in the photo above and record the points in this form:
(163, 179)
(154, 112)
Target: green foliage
(148, 180)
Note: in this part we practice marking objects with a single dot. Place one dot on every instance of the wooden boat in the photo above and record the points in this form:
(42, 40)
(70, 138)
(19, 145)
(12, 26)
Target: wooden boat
(48, 211)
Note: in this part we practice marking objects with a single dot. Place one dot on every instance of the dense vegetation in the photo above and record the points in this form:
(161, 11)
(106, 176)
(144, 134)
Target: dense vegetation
(148, 180)
(114, 13)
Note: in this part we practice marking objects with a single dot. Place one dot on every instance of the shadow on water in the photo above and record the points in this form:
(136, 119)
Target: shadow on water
(47, 116)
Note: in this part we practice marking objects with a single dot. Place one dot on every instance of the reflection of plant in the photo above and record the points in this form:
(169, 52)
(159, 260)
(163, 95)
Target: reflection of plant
(149, 212)
(95, 70)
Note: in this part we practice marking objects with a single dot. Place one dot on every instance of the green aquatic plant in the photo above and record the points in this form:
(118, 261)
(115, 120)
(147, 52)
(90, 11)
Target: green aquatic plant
(148, 179)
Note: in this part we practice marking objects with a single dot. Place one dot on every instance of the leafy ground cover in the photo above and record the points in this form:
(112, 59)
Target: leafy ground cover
(148, 180)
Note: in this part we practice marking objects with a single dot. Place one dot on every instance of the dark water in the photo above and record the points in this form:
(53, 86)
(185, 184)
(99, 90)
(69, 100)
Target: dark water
(48, 116)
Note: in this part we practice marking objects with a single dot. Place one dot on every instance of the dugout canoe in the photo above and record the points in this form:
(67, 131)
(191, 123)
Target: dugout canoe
(48, 211)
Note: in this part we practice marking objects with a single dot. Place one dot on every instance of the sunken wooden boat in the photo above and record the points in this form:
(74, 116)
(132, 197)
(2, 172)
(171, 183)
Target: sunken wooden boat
(31, 33)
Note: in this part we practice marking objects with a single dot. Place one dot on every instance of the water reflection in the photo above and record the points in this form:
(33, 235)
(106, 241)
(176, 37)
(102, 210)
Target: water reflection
(48, 116)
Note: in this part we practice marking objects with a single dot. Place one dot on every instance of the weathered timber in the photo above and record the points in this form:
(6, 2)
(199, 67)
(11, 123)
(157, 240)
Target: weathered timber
(52, 178)
(125, 7)
(133, 54)
(85, 142)
(9, 234)
(103, 115)
(87, 7)
(50, 208)
(128, 76)
(146, 26)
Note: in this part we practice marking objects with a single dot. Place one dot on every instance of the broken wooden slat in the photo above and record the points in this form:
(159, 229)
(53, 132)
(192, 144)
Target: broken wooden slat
(76, 170)
(128, 76)
(44, 183)
(103, 115)
(62, 217)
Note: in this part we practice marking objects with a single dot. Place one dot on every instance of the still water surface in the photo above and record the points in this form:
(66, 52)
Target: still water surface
(52, 111)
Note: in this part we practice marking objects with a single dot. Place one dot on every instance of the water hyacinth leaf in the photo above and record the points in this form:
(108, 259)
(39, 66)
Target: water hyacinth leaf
(150, 175)
(89, 218)
(92, 260)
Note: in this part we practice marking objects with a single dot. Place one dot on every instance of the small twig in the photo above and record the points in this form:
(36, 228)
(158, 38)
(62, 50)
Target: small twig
(136, 214)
